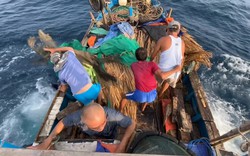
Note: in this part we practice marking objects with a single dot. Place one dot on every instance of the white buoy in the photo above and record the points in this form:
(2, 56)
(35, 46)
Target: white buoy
(123, 2)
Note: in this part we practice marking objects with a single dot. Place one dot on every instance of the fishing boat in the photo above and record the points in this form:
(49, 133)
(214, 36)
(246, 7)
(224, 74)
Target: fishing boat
(169, 125)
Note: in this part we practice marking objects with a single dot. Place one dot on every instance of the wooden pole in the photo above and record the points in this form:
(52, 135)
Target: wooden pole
(85, 38)
(109, 13)
(170, 12)
(244, 128)
(103, 17)
(92, 16)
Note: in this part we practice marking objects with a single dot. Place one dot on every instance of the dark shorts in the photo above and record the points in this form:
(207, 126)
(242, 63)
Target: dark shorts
(142, 97)
(90, 95)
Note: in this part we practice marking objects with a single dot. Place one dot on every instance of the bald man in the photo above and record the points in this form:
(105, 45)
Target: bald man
(94, 120)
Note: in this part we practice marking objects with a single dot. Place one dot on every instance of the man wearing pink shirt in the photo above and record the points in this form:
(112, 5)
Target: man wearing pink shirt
(145, 82)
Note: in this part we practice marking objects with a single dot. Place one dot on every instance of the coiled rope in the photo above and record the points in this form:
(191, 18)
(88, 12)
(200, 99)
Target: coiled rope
(142, 12)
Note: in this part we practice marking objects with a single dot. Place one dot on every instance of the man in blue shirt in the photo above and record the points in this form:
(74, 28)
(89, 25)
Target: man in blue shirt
(72, 73)
(94, 120)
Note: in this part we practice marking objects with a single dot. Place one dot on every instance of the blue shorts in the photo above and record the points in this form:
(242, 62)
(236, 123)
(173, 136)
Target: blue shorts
(90, 95)
(142, 97)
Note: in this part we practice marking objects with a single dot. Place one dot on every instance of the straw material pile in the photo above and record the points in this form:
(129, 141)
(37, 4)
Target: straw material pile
(38, 43)
(45, 40)
(145, 41)
(115, 91)
(194, 52)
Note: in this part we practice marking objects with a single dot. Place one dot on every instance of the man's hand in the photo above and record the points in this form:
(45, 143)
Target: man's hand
(165, 75)
(43, 146)
(46, 143)
(120, 149)
(63, 88)
(128, 133)
(51, 50)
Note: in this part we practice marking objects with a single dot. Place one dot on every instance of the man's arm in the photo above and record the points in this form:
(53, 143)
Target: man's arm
(129, 131)
(157, 49)
(183, 48)
(164, 75)
(45, 144)
(62, 49)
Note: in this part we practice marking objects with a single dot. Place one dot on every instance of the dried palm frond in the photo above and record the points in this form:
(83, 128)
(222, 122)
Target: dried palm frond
(38, 46)
(45, 40)
(195, 52)
(115, 91)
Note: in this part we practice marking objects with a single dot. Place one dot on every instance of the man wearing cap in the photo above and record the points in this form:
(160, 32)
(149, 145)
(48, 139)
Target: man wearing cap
(94, 120)
(71, 72)
(171, 48)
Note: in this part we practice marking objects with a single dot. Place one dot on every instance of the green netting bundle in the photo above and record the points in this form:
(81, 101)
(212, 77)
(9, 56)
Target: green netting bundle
(120, 47)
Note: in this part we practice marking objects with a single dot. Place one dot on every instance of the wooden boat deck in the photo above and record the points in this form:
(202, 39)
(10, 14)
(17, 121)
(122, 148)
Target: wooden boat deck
(190, 111)
(151, 119)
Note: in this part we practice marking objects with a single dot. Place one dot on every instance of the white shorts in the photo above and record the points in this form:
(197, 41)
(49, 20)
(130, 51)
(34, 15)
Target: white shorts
(172, 79)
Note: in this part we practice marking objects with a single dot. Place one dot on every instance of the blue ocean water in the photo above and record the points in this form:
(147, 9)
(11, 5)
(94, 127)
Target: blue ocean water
(220, 26)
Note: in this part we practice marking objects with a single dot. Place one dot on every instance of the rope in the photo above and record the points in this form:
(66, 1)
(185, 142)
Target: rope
(121, 13)
(148, 12)
(243, 135)
(142, 12)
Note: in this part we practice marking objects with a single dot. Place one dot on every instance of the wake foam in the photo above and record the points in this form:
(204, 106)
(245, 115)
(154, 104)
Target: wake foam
(226, 118)
(227, 87)
(23, 121)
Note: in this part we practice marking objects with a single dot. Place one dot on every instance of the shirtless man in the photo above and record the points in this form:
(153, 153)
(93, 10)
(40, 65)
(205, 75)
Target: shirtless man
(71, 72)
(171, 48)
(94, 120)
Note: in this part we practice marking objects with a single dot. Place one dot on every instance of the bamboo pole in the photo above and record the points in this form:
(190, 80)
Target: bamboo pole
(170, 12)
(244, 128)
(109, 13)
(85, 38)
(103, 17)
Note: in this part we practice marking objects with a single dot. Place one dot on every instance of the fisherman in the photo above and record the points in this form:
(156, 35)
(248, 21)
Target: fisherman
(145, 82)
(171, 48)
(71, 72)
(94, 120)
